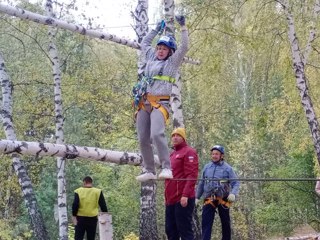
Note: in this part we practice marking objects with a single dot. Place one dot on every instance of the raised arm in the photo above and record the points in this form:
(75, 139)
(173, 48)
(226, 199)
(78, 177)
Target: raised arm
(184, 43)
(146, 42)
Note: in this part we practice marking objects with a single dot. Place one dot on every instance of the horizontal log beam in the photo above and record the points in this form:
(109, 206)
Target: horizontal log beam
(45, 20)
(69, 152)
(306, 237)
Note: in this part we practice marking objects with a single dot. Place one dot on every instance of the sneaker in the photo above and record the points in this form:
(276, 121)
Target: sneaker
(165, 174)
(145, 176)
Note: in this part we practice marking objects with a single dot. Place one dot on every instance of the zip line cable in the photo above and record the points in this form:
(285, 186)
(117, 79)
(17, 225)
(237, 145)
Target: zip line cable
(240, 179)
(246, 179)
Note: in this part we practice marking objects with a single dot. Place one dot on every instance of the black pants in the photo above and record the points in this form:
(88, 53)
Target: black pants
(86, 225)
(179, 221)
(208, 213)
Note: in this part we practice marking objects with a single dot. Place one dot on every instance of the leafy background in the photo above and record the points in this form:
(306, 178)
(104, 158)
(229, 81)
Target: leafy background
(243, 95)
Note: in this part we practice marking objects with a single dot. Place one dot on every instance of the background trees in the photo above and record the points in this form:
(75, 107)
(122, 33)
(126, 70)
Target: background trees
(243, 95)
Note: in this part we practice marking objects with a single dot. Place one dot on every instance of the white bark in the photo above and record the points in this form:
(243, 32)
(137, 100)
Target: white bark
(312, 33)
(176, 103)
(148, 218)
(175, 99)
(169, 16)
(148, 212)
(70, 152)
(141, 18)
(307, 237)
(105, 226)
(141, 28)
(299, 61)
(37, 222)
(61, 179)
(30, 16)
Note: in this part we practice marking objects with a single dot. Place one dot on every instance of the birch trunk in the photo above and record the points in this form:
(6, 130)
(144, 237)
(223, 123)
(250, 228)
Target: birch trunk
(105, 226)
(70, 152)
(37, 222)
(30, 16)
(148, 212)
(176, 103)
(62, 198)
(175, 100)
(307, 237)
(141, 19)
(299, 62)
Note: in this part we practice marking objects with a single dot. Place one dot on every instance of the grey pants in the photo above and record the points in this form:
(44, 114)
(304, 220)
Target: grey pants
(151, 130)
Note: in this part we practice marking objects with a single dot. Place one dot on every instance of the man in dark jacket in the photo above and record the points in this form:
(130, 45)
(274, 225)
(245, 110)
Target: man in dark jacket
(180, 191)
(85, 209)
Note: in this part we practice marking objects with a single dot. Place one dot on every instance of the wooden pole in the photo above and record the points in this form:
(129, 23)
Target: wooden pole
(105, 226)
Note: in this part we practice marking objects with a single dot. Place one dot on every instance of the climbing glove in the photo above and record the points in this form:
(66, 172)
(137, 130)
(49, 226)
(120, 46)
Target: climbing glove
(158, 27)
(231, 197)
(181, 20)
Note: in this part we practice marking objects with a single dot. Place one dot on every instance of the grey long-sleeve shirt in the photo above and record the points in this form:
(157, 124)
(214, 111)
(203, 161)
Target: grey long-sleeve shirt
(170, 66)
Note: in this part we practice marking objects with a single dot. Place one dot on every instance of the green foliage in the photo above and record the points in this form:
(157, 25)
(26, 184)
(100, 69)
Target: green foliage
(131, 236)
(243, 95)
(5, 232)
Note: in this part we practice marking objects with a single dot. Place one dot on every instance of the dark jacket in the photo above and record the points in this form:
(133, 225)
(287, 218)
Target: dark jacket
(184, 163)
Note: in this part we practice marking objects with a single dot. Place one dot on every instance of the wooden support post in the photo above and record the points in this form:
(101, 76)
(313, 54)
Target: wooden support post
(105, 226)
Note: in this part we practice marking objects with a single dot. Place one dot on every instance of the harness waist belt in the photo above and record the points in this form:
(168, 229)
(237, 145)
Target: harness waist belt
(215, 201)
(152, 98)
(154, 101)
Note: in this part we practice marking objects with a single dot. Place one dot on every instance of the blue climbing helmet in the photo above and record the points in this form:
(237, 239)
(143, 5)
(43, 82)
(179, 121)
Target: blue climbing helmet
(168, 41)
(218, 148)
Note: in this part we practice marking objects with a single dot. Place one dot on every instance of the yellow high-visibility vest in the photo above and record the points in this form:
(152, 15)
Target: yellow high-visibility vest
(89, 201)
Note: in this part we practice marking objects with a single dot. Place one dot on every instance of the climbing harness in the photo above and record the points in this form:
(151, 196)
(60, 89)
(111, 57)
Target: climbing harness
(140, 89)
(215, 201)
(140, 94)
(154, 102)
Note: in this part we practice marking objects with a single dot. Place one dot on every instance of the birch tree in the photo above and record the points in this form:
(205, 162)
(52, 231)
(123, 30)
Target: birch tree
(148, 213)
(73, 151)
(37, 222)
(176, 103)
(62, 198)
(300, 59)
(175, 99)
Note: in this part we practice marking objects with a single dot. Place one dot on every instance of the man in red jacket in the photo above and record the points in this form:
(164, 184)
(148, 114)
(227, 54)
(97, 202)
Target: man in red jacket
(180, 191)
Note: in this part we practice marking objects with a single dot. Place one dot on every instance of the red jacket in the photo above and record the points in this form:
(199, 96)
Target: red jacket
(184, 164)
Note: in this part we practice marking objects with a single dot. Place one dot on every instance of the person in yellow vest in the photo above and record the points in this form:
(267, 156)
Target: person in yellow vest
(85, 209)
